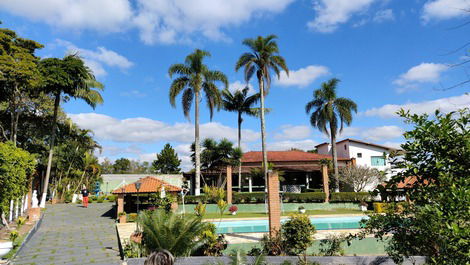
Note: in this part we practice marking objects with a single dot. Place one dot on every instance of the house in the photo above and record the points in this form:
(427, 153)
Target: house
(113, 181)
(366, 154)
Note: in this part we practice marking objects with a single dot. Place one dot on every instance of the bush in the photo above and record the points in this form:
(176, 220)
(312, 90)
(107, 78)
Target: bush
(14, 235)
(133, 250)
(111, 198)
(121, 213)
(273, 246)
(380, 207)
(68, 197)
(304, 197)
(297, 233)
(200, 209)
(100, 200)
(214, 244)
(249, 197)
(332, 245)
(92, 198)
(350, 196)
(233, 208)
(192, 199)
(132, 217)
(20, 222)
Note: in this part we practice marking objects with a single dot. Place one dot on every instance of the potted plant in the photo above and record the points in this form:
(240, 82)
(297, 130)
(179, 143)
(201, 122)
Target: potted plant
(122, 217)
(363, 206)
(233, 209)
(301, 209)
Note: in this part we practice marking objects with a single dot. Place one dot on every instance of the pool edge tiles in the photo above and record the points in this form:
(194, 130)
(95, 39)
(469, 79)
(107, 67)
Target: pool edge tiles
(261, 226)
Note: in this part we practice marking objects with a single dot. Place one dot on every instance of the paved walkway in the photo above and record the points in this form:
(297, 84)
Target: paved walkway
(70, 234)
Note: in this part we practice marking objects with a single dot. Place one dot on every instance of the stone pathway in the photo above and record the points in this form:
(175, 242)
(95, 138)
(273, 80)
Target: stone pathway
(70, 234)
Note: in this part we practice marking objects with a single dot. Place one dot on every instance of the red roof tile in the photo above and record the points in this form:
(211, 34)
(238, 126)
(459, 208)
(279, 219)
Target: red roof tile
(149, 184)
(285, 156)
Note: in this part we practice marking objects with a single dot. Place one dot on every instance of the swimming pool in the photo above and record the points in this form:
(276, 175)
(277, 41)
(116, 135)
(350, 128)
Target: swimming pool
(259, 226)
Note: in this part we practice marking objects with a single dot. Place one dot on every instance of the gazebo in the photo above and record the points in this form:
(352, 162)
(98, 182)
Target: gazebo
(128, 195)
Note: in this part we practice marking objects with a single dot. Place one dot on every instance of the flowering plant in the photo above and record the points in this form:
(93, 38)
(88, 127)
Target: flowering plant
(233, 208)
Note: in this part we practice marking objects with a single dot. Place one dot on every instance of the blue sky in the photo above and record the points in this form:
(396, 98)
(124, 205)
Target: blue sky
(387, 53)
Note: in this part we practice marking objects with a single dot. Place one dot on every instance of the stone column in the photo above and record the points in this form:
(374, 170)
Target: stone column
(274, 203)
(250, 184)
(120, 203)
(326, 185)
(353, 161)
(16, 208)
(10, 216)
(229, 184)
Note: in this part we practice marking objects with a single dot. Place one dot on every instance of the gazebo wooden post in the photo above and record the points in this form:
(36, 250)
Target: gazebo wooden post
(326, 185)
(274, 203)
(229, 184)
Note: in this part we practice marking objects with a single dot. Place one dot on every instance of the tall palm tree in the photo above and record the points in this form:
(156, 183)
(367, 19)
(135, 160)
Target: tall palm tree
(262, 59)
(330, 113)
(194, 77)
(68, 76)
(240, 103)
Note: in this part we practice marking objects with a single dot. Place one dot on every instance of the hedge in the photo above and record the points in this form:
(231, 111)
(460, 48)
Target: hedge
(350, 196)
(304, 197)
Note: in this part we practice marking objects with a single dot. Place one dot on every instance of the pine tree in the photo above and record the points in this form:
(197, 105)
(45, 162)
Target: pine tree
(167, 161)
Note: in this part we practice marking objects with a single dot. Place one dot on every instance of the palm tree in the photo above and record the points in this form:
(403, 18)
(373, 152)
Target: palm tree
(329, 113)
(195, 77)
(240, 103)
(69, 76)
(176, 233)
(262, 59)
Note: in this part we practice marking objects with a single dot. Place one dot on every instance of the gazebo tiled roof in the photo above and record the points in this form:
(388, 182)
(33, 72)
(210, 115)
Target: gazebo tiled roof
(285, 156)
(149, 184)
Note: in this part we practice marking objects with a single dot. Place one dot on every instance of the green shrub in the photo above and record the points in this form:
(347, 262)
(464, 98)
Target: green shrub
(380, 207)
(111, 198)
(100, 200)
(350, 196)
(92, 198)
(332, 245)
(273, 246)
(304, 197)
(78, 201)
(192, 199)
(133, 250)
(249, 197)
(20, 222)
(14, 235)
(297, 233)
(132, 217)
(68, 197)
(213, 244)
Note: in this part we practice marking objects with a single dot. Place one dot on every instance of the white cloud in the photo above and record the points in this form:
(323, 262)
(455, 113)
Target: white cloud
(291, 132)
(144, 130)
(422, 73)
(162, 21)
(384, 15)
(96, 59)
(133, 94)
(237, 85)
(168, 21)
(100, 15)
(331, 13)
(303, 76)
(395, 145)
(305, 145)
(374, 134)
(444, 104)
(445, 9)
(116, 150)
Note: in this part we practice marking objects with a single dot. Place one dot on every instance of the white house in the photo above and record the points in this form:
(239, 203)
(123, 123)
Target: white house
(366, 154)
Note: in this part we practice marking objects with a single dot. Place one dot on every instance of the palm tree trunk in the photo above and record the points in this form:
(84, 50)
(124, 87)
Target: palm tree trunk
(335, 157)
(197, 148)
(51, 151)
(239, 146)
(263, 134)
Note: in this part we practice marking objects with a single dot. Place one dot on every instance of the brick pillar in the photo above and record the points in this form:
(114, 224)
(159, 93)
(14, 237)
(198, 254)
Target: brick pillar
(120, 203)
(326, 185)
(353, 162)
(274, 203)
(229, 184)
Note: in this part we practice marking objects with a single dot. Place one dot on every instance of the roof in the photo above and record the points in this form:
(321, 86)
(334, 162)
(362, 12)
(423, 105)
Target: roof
(173, 179)
(360, 142)
(408, 182)
(149, 184)
(285, 156)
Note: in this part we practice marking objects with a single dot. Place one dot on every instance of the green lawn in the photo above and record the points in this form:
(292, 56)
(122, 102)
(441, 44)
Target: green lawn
(254, 214)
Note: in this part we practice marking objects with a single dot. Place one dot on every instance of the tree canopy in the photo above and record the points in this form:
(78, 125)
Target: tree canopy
(167, 161)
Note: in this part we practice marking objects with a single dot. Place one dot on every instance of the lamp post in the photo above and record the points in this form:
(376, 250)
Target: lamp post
(137, 187)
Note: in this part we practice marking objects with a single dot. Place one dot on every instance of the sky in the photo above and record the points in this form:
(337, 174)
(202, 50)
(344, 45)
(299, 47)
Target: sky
(388, 54)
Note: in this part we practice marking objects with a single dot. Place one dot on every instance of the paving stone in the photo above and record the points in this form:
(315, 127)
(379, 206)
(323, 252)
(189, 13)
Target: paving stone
(70, 234)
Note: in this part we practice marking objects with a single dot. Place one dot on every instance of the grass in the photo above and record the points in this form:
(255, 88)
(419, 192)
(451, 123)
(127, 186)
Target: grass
(257, 214)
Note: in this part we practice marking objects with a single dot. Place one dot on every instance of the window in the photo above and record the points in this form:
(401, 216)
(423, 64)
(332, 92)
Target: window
(377, 161)
(345, 147)
(359, 155)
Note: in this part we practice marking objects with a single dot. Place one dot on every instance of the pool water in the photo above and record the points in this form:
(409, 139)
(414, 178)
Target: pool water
(260, 226)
